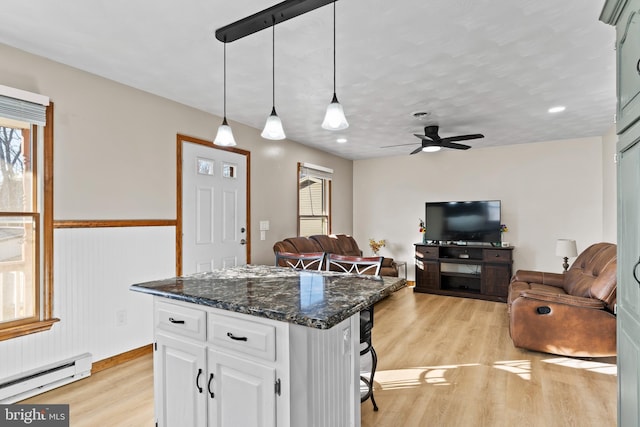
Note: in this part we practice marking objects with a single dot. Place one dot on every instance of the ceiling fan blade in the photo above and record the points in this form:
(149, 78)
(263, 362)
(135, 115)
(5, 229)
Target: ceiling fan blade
(424, 137)
(453, 145)
(416, 151)
(398, 145)
(463, 137)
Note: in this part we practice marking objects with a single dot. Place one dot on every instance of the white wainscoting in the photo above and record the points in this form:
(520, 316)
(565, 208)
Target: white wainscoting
(93, 269)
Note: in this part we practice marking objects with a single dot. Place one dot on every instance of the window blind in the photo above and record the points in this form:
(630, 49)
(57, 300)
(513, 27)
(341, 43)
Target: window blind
(315, 171)
(18, 109)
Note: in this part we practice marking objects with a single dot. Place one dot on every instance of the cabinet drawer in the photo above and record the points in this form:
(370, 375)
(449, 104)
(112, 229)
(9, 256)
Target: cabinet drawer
(184, 321)
(496, 255)
(243, 336)
(426, 252)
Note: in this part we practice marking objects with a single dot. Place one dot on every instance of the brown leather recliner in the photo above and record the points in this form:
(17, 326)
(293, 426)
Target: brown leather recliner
(341, 244)
(570, 314)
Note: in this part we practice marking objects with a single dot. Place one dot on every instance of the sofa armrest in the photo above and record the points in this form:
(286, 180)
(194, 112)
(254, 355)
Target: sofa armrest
(529, 276)
(563, 299)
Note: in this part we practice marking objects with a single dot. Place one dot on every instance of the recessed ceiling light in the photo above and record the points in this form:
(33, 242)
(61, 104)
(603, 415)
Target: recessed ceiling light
(558, 109)
(341, 140)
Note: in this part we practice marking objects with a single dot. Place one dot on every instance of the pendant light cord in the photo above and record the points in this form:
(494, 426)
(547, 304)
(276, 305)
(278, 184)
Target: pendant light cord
(224, 92)
(334, 47)
(273, 62)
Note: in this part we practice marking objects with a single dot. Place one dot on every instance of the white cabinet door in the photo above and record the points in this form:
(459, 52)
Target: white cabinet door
(244, 392)
(628, 275)
(180, 382)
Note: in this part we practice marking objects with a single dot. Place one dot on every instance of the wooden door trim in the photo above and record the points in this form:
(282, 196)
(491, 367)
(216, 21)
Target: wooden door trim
(184, 138)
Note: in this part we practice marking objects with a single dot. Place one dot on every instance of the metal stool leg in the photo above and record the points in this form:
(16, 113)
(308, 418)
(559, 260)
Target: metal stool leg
(374, 364)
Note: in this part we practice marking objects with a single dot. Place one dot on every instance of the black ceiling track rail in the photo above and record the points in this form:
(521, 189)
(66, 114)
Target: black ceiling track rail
(267, 18)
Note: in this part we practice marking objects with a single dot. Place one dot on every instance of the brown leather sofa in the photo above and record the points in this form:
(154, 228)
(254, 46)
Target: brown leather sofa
(570, 314)
(342, 244)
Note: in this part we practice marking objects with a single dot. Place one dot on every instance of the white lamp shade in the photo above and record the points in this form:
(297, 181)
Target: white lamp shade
(334, 118)
(566, 248)
(273, 127)
(224, 137)
(431, 148)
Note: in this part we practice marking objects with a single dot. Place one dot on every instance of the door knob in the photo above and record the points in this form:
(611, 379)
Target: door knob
(243, 242)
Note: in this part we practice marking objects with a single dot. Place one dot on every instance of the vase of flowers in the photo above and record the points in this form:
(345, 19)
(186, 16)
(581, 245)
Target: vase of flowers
(376, 245)
(503, 229)
(423, 230)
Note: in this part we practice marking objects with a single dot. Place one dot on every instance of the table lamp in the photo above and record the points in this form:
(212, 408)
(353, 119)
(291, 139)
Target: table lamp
(566, 248)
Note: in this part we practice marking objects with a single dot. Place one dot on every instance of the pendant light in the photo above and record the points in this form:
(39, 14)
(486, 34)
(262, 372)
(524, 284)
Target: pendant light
(334, 119)
(273, 127)
(224, 137)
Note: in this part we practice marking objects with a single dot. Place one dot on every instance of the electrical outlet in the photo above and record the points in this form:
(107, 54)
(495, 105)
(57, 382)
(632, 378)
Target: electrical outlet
(121, 317)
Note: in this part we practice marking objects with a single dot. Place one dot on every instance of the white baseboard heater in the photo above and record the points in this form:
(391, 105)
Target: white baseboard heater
(36, 381)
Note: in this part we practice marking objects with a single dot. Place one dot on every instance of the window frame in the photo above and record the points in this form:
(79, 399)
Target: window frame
(43, 318)
(328, 198)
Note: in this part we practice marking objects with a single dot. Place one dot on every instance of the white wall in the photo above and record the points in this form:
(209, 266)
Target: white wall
(610, 185)
(115, 151)
(548, 190)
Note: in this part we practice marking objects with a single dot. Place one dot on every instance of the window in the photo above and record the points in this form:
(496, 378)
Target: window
(314, 199)
(25, 292)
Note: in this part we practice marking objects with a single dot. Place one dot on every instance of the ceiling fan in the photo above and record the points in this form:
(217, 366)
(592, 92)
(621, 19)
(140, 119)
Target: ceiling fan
(431, 141)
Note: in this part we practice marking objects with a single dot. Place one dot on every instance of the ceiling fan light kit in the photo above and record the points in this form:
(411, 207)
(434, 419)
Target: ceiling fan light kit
(432, 142)
(334, 117)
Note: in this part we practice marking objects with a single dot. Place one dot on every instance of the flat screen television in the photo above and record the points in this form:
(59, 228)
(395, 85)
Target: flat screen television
(466, 221)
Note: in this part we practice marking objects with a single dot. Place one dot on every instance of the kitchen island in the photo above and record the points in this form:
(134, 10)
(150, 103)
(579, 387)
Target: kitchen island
(260, 346)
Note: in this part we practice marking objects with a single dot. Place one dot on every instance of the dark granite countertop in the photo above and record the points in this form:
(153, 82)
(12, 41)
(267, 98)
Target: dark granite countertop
(316, 299)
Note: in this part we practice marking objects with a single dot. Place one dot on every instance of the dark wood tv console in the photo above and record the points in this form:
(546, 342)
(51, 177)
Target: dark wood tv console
(468, 271)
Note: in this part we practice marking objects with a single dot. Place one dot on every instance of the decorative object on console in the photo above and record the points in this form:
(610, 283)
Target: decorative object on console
(376, 245)
(503, 229)
(423, 230)
(566, 249)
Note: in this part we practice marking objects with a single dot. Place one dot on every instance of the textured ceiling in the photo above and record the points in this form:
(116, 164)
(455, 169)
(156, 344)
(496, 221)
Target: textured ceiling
(477, 66)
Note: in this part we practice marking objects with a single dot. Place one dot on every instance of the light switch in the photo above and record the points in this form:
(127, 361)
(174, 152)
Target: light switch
(264, 226)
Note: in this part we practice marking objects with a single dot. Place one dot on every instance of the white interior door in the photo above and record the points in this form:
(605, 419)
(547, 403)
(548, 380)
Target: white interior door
(214, 211)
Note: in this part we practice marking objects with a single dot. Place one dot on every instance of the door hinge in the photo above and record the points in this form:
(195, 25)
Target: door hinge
(155, 346)
(278, 387)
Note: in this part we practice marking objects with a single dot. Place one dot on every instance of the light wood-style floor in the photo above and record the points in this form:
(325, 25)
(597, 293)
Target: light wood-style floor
(443, 361)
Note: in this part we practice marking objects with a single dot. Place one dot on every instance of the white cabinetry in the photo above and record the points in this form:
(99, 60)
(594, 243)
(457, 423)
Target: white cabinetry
(220, 368)
(625, 15)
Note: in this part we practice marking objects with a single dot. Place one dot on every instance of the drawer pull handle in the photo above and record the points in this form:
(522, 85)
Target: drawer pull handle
(172, 320)
(497, 255)
(198, 381)
(638, 66)
(209, 386)
(233, 337)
